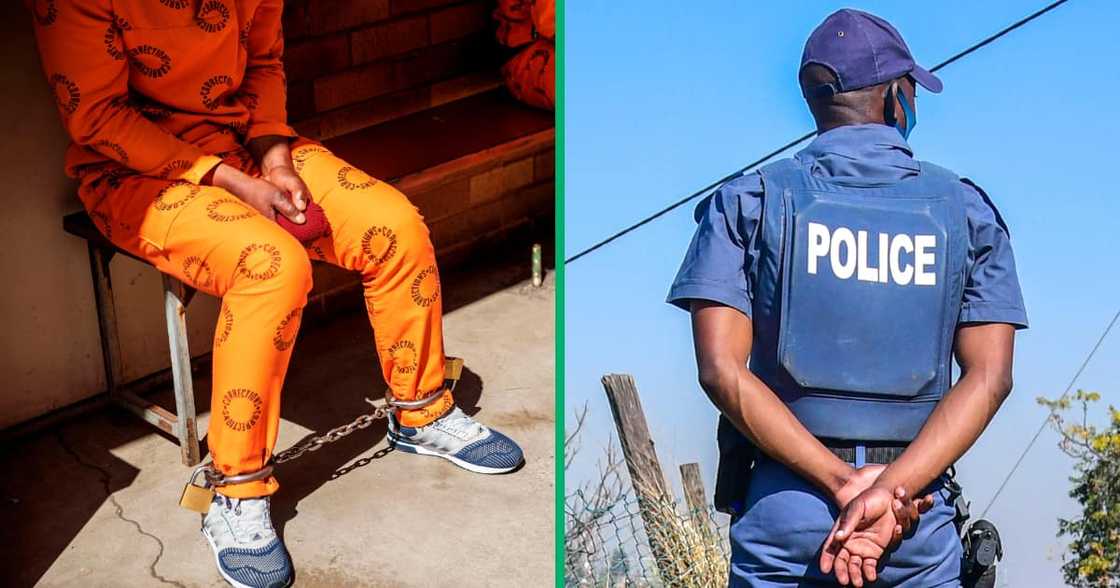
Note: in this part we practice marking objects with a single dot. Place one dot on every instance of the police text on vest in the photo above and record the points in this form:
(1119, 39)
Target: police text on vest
(848, 252)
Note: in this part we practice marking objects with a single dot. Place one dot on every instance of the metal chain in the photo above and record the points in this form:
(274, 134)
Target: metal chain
(382, 408)
(380, 411)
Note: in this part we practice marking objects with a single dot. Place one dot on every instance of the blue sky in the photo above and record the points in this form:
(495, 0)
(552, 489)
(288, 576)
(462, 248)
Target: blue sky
(663, 97)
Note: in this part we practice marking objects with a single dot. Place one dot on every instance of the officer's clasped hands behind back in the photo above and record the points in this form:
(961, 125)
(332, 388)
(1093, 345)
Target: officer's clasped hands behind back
(849, 276)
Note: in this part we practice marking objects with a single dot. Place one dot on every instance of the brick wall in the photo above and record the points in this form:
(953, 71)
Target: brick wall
(488, 201)
(356, 63)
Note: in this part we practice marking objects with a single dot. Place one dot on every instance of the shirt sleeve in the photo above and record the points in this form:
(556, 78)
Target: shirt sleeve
(991, 291)
(90, 85)
(717, 265)
(264, 90)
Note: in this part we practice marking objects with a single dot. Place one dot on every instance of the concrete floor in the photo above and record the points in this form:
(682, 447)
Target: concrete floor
(93, 502)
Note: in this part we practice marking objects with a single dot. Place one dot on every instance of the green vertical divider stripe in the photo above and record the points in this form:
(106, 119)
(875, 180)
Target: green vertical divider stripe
(559, 328)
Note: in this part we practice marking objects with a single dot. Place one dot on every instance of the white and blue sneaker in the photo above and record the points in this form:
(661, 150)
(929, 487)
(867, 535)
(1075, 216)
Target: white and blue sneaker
(245, 545)
(461, 440)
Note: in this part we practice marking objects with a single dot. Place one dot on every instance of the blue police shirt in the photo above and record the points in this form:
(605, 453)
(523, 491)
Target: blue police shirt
(719, 265)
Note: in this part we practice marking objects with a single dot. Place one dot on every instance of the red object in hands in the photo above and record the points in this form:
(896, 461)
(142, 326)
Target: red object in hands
(314, 227)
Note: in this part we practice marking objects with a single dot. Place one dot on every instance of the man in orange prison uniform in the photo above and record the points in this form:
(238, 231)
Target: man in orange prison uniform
(184, 157)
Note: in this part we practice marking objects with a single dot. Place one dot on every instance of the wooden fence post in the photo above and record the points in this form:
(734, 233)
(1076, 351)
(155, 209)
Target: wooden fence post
(633, 433)
(697, 500)
(645, 470)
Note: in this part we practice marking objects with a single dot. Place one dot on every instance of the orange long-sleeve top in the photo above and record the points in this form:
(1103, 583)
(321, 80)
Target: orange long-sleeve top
(160, 86)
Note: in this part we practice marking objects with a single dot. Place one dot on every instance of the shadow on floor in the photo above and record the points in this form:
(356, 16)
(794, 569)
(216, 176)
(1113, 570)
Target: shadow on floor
(56, 480)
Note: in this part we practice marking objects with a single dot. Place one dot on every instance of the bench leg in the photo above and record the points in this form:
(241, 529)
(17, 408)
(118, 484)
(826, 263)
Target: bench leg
(99, 259)
(174, 296)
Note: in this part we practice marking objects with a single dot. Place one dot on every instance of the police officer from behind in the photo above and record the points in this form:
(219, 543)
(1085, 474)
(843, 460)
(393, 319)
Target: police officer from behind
(849, 275)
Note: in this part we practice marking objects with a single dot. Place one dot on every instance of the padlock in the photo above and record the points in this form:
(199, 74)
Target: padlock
(195, 497)
(453, 370)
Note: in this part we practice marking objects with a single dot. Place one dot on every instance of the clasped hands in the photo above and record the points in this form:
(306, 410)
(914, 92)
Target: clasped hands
(872, 521)
(280, 190)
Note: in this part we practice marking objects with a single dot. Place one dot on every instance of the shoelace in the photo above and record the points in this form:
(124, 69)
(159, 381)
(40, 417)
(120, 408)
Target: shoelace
(251, 523)
(460, 425)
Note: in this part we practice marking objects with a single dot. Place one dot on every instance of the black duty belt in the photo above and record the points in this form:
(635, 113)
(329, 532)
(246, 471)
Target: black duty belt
(874, 453)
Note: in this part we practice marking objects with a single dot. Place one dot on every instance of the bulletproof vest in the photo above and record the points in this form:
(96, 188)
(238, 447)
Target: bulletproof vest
(857, 295)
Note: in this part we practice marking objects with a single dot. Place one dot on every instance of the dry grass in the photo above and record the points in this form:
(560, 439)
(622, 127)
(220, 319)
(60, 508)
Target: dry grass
(688, 551)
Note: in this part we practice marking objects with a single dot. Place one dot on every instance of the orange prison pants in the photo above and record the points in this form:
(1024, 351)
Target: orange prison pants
(212, 241)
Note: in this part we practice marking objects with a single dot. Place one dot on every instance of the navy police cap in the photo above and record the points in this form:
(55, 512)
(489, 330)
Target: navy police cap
(863, 50)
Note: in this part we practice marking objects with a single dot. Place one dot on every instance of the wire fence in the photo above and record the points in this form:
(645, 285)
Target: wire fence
(608, 543)
(627, 529)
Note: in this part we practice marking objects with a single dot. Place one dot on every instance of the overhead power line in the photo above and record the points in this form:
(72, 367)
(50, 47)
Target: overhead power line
(1042, 427)
(972, 48)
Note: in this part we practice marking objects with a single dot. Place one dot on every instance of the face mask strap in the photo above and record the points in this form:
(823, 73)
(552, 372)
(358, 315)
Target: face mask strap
(896, 96)
(911, 114)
